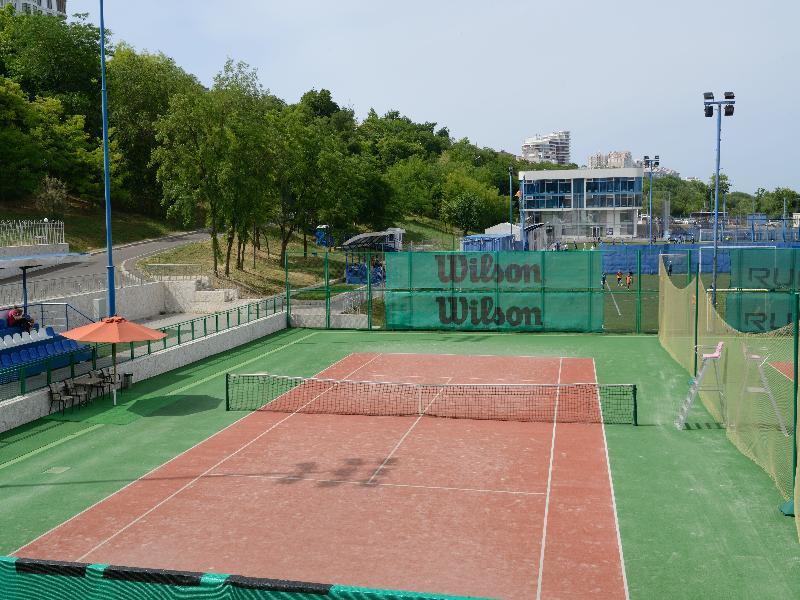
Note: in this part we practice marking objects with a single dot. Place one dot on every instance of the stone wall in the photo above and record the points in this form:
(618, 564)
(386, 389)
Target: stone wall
(24, 409)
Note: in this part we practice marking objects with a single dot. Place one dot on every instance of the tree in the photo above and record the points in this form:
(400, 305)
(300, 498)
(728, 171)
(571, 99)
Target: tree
(51, 199)
(54, 58)
(140, 86)
(38, 140)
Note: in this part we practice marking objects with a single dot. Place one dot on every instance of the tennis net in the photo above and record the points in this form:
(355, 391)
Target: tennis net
(564, 403)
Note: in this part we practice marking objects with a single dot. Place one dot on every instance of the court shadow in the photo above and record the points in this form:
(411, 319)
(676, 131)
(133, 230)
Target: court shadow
(301, 472)
(181, 406)
(704, 426)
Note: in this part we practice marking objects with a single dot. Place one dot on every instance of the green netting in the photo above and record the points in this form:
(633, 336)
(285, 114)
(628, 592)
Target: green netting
(486, 270)
(765, 268)
(756, 312)
(22, 579)
(755, 398)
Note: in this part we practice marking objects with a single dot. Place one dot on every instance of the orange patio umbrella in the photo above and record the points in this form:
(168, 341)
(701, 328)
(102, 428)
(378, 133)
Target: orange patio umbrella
(114, 330)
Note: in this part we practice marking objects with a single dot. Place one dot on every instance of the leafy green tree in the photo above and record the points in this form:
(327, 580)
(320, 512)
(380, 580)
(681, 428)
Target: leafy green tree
(140, 87)
(54, 58)
(51, 198)
(40, 140)
(416, 186)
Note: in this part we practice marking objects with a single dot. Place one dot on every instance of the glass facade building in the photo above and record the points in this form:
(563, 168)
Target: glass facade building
(583, 203)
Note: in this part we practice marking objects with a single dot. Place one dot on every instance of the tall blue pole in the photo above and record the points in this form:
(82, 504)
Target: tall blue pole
(112, 301)
(716, 210)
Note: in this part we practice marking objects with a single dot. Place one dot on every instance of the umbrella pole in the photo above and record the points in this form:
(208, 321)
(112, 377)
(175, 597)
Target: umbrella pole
(114, 379)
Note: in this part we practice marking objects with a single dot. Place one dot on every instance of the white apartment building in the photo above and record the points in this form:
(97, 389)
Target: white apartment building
(552, 147)
(57, 8)
(618, 159)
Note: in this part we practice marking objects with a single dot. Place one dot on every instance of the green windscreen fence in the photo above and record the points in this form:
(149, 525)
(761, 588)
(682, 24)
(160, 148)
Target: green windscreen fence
(27, 579)
(770, 277)
(503, 291)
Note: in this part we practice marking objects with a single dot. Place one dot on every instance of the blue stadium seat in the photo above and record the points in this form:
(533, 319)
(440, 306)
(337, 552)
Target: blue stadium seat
(41, 351)
(16, 359)
(73, 344)
(5, 361)
(50, 331)
(59, 346)
(25, 355)
(50, 349)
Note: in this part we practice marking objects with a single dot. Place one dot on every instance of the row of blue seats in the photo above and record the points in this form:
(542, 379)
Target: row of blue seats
(54, 355)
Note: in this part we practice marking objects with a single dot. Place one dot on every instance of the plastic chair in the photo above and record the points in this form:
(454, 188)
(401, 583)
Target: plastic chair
(26, 337)
(5, 361)
(49, 331)
(16, 359)
(8, 340)
(17, 339)
(25, 355)
(40, 351)
(50, 349)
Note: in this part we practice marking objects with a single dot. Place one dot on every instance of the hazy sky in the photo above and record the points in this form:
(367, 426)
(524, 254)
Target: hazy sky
(619, 75)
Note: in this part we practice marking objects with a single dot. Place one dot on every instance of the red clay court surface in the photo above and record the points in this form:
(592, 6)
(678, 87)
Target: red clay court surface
(463, 507)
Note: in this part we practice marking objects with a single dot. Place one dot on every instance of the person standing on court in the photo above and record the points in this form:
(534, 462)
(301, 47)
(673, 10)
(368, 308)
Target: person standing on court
(603, 280)
(619, 278)
(629, 279)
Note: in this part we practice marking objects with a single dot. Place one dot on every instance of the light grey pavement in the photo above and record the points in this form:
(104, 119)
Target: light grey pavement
(122, 254)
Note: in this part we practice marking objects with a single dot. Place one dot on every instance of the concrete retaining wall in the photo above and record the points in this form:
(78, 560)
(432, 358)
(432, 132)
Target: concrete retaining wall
(24, 409)
(338, 321)
(12, 251)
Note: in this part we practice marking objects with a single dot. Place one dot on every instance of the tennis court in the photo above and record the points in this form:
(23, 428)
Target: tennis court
(465, 506)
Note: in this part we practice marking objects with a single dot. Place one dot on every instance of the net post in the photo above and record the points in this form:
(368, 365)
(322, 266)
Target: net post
(635, 406)
(788, 508)
(369, 290)
(696, 314)
(638, 290)
(327, 292)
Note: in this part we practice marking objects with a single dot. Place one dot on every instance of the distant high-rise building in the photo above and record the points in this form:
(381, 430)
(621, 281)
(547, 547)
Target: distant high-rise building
(552, 148)
(618, 159)
(57, 8)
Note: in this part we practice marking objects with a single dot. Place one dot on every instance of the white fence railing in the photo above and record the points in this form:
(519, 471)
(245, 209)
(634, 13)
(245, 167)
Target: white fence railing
(172, 271)
(61, 287)
(31, 233)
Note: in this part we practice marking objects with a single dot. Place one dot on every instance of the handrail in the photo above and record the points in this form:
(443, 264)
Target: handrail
(177, 334)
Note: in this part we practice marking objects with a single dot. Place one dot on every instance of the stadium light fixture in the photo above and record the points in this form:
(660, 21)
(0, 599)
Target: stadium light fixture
(708, 95)
(728, 110)
(709, 111)
(729, 96)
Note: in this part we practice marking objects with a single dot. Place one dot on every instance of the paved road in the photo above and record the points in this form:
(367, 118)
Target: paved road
(97, 262)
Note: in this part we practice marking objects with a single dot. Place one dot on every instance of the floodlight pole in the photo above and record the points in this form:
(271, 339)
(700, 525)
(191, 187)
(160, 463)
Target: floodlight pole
(511, 203)
(716, 212)
(650, 209)
(112, 301)
(709, 103)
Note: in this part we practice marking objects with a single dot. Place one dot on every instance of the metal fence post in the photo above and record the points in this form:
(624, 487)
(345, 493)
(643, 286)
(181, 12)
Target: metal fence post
(288, 290)
(50, 372)
(638, 290)
(192, 329)
(205, 327)
(179, 334)
(22, 382)
(133, 351)
(369, 290)
(72, 364)
(328, 293)
(696, 313)
(94, 361)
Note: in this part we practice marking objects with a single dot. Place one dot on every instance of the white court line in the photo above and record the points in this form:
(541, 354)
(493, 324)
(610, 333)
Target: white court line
(613, 299)
(549, 482)
(156, 468)
(207, 471)
(405, 435)
(611, 487)
(379, 484)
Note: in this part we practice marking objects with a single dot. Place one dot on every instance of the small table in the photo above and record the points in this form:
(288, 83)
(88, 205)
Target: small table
(90, 382)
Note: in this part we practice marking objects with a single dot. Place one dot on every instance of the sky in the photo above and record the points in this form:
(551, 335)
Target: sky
(619, 75)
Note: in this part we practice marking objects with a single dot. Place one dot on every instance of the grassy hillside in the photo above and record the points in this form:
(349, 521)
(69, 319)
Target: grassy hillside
(84, 227)
(429, 232)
